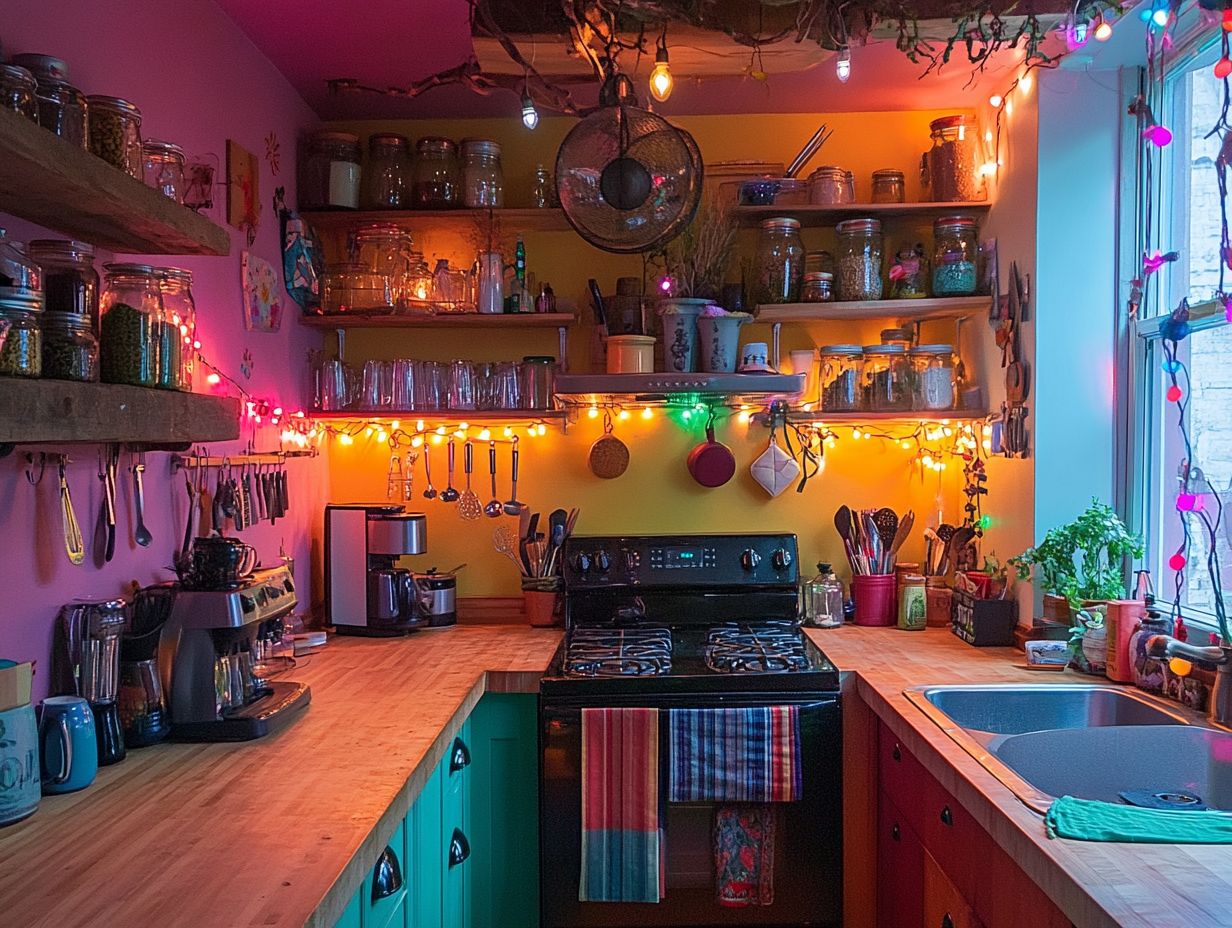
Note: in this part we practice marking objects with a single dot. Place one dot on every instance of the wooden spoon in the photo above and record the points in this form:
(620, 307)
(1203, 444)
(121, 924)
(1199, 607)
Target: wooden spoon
(900, 536)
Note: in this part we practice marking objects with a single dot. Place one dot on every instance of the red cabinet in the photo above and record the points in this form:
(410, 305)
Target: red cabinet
(946, 870)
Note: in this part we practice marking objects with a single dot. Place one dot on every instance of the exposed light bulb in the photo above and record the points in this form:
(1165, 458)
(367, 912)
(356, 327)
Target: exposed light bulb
(647, 413)
(842, 65)
(1025, 82)
(530, 115)
(661, 80)
(995, 101)
(1160, 16)
(1103, 31)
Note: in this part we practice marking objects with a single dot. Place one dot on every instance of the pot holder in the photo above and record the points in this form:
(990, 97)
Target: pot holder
(775, 469)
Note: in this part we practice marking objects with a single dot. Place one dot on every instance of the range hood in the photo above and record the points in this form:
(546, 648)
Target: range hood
(666, 387)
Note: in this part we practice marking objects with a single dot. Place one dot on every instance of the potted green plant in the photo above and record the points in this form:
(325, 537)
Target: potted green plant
(1082, 561)
(1088, 640)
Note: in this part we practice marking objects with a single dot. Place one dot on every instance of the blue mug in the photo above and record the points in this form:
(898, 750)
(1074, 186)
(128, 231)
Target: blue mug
(19, 778)
(67, 743)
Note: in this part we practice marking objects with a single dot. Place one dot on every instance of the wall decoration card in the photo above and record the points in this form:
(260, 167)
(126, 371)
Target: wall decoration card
(243, 190)
(262, 294)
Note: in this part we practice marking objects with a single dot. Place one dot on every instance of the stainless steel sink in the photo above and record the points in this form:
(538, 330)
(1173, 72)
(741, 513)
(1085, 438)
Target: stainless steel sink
(1090, 741)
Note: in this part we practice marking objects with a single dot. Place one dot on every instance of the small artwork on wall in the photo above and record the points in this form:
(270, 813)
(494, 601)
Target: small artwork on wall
(273, 153)
(262, 295)
(246, 363)
(243, 190)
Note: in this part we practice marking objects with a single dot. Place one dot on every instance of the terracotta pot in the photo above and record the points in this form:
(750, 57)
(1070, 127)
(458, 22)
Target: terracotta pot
(1056, 609)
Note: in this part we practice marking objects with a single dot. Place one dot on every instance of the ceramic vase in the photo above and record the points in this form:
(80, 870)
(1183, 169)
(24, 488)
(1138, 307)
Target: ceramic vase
(679, 316)
(20, 776)
(719, 342)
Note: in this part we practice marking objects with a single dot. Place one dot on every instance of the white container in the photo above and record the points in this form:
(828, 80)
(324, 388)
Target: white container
(679, 316)
(719, 341)
(630, 354)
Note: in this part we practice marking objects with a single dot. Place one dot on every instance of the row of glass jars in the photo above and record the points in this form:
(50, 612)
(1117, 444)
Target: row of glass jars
(887, 378)
(439, 176)
(857, 275)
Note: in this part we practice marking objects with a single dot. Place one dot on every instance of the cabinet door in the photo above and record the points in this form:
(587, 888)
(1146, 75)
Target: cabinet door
(944, 906)
(427, 860)
(385, 885)
(503, 816)
(900, 869)
(352, 915)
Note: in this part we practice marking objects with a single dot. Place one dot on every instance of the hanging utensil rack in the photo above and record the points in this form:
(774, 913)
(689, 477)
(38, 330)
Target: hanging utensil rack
(192, 461)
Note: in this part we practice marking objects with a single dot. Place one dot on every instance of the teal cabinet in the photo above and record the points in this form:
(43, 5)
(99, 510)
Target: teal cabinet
(385, 886)
(352, 916)
(427, 863)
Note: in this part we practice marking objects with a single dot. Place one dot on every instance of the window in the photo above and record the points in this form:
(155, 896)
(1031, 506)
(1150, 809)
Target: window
(1188, 223)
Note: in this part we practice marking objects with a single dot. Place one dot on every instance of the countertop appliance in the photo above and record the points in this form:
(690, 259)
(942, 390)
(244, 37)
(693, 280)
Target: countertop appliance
(366, 593)
(683, 621)
(206, 660)
(86, 662)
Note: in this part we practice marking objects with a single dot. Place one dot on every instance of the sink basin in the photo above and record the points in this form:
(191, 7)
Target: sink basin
(1014, 710)
(1104, 762)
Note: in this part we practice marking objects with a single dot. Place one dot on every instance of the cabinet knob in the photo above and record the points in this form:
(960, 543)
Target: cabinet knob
(895, 832)
(947, 817)
(459, 848)
(386, 876)
(897, 753)
(459, 755)
(946, 921)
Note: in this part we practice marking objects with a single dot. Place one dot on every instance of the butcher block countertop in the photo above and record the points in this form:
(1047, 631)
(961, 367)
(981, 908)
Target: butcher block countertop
(277, 832)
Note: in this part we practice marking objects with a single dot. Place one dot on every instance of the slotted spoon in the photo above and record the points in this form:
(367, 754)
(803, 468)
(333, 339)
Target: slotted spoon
(469, 507)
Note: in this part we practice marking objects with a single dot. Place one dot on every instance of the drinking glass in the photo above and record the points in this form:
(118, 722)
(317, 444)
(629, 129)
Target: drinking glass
(485, 372)
(335, 383)
(377, 385)
(506, 389)
(403, 393)
(430, 385)
(461, 385)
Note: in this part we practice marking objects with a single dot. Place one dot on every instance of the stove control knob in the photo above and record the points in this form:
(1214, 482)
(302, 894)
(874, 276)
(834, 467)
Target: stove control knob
(632, 561)
(781, 559)
(582, 562)
(750, 559)
(602, 561)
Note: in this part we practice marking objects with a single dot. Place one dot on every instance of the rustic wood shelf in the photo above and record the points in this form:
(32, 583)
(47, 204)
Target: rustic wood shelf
(437, 416)
(955, 307)
(454, 220)
(816, 216)
(65, 188)
(803, 417)
(439, 321)
(57, 411)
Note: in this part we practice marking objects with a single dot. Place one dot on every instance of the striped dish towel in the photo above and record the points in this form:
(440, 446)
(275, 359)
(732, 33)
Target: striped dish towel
(621, 828)
(734, 755)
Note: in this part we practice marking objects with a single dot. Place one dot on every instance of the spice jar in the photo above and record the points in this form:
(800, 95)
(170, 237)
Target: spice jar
(177, 349)
(21, 353)
(163, 168)
(937, 598)
(130, 332)
(70, 283)
(909, 274)
(932, 370)
(955, 248)
(841, 371)
(859, 259)
(912, 603)
(889, 186)
(818, 287)
(436, 174)
(387, 176)
(829, 186)
(887, 378)
(61, 106)
(115, 133)
(483, 180)
(329, 171)
(780, 261)
(18, 91)
(538, 381)
(949, 170)
(70, 350)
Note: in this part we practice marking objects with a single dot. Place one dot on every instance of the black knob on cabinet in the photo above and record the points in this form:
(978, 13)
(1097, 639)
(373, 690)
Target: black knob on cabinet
(946, 921)
(781, 559)
(896, 832)
(750, 559)
(897, 753)
(582, 562)
(602, 561)
(947, 817)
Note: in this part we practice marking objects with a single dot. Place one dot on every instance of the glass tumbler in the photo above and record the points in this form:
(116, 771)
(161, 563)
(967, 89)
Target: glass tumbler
(507, 388)
(403, 387)
(377, 385)
(461, 385)
(431, 387)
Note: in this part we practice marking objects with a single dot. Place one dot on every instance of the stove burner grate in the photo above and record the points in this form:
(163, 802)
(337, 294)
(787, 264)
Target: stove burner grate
(765, 647)
(617, 652)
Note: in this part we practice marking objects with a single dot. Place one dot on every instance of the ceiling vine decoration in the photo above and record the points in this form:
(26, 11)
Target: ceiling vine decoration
(602, 32)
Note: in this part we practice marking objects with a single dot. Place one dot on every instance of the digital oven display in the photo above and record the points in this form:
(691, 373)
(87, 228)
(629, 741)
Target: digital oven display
(676, 557)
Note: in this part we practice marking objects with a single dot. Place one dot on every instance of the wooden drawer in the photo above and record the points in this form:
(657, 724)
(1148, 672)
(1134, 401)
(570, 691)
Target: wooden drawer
(944, 905)
(900, 869)
(902, 778)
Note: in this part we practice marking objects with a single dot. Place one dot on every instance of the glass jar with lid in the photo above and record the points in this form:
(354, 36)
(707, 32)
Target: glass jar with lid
(932, 373)
(353, 287)
(22, 353)
(818, 287)
(329, 171)
(387, 176)
(130, 330)
(780, 261)
(20, 275)
(163, 168)
(436, 174)
(889, 186)
(18, 91)
(823, 599)
(897, 336)
(949, 171)
(955, 249)
(538, 381)
(887, 378)
(61, 106)
(483, 179)
(386, 249)
(70, 350)
(860, 249)
(70, 283)
(841, 371)
(115, 133)
(178, 351)
(828, 186)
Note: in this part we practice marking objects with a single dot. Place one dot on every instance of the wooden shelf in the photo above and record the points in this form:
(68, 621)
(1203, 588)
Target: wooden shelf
(815, 216)
(439, 321)
(65, 188)
(436, 416)
(43, 411)
(455, 220)
(799, 416)
(955, 307)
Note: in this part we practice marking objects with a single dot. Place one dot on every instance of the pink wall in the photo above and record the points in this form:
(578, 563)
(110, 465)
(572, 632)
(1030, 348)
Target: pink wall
(198, 81)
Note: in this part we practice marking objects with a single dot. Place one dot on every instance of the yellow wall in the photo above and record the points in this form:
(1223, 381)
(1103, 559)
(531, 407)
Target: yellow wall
(656, 494)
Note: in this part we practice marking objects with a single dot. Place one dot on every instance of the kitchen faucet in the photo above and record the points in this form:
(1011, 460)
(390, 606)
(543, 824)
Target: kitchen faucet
(1219, 707)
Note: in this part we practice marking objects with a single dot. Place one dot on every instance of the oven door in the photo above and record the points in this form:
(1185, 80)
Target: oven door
(808, 843)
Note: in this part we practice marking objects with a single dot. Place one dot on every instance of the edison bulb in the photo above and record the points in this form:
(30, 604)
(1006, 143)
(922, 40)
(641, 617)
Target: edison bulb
(530, 115)
(1103, 32)
(661, 80)
(842, 65)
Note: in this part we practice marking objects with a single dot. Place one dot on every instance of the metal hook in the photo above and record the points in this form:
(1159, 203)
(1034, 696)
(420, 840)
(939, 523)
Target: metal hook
(42, 467)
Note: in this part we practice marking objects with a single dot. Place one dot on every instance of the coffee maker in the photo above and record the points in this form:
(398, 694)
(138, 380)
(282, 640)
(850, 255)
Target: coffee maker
(208, 666)
(366, 593)
(86, 662)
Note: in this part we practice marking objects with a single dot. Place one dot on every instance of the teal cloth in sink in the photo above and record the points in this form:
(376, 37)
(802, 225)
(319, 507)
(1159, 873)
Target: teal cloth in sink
(1088, 820)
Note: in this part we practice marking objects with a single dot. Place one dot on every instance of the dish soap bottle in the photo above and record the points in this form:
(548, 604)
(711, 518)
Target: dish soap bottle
(823, 599)
(1148, 671)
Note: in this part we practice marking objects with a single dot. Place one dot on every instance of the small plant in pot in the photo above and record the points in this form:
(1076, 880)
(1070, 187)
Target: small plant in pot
(1082, 561)
(1088, 640)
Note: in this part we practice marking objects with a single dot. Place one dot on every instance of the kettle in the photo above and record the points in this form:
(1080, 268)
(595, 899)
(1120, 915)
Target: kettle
(436, 595)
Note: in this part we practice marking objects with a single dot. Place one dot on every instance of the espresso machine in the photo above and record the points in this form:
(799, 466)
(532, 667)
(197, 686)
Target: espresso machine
(207, 660)
(366, 593)
(86, 662)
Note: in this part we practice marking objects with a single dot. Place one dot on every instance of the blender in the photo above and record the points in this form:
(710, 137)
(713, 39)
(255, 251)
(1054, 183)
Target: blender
(86, 662)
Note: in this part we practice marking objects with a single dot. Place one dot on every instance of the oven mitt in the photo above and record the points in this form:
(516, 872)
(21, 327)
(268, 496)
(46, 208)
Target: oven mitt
(775, 469)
